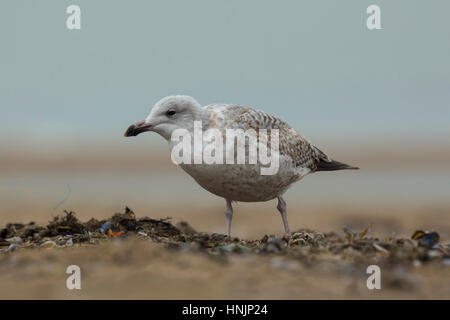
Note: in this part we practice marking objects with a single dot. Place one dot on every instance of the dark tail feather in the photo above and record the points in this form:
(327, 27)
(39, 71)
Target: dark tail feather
(332, 165)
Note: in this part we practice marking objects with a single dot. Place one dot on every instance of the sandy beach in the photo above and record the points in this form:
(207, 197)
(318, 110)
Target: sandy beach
(396, 203)
(153, 267)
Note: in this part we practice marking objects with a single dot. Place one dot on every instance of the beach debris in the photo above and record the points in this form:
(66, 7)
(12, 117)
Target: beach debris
(273, 245)
(160, 227)
(64, 225)
(304, 246)
(13, 246)
(113, 234)
(350, 235)
(184, 227)
(23, 231)
(16, 240)
(105, 227)
(305, 237)
(380, 248)
(426, 239)
(124, 221)
(218, 236)
(365, 231)
(48, 244)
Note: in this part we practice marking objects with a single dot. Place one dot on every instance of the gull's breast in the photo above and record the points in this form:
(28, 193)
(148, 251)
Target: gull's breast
(244, 182)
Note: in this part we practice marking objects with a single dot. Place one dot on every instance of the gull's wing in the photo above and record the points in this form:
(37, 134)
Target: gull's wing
(292, 145)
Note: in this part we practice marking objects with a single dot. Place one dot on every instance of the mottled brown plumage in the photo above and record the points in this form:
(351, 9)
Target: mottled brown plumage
(296, 156)
(302, 153)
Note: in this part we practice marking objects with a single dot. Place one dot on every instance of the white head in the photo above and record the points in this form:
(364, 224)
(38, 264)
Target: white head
(168, 114)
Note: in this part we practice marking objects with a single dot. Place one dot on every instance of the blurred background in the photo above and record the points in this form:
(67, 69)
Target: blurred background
(376, 99)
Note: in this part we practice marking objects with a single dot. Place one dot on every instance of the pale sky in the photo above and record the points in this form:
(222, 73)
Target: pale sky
(313, 63)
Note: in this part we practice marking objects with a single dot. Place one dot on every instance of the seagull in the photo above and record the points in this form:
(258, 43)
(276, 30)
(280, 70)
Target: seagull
(238, 182)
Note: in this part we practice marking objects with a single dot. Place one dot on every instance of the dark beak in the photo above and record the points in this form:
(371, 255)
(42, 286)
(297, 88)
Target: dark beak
(137, 128)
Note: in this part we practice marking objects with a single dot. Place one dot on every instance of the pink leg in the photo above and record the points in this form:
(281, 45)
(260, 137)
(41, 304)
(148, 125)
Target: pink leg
(282, 208)
(229, 215)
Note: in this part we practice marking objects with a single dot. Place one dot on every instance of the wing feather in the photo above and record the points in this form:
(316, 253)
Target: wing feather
(293, 145)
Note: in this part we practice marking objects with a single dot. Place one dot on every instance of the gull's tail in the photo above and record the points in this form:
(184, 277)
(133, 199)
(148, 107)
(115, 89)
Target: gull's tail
(332, 165)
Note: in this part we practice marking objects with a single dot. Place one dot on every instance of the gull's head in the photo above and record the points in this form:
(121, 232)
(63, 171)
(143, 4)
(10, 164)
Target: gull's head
(168, 114)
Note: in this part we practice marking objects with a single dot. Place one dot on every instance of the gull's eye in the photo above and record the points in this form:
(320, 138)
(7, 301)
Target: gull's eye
(170, 113)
